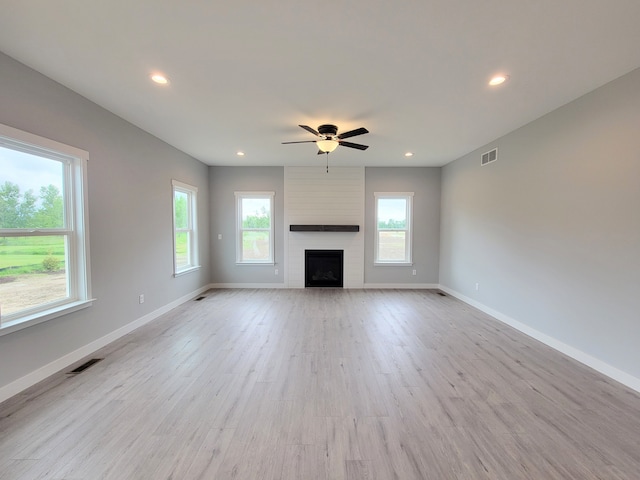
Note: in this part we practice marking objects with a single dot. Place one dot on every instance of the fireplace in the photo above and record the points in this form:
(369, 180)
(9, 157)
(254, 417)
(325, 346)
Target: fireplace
(323, 268)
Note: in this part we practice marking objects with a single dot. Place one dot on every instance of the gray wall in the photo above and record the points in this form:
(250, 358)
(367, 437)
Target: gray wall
(551, 231)
(223, 182)
(130, 216)
(425, 183)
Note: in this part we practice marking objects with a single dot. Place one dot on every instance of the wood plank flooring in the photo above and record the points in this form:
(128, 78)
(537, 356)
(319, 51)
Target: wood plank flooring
(324, 384)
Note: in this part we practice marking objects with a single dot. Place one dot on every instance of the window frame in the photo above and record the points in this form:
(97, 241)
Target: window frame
(191, 230)
(408, 257)
(75, 228)
(240, 230)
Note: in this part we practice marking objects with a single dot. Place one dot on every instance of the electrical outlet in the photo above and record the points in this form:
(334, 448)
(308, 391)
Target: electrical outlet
(276, 271)
(477, 287)
(414, 272)
(141, 298)
(219, 236)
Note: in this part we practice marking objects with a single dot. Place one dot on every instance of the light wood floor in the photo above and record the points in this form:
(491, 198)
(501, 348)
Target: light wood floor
(324, 384)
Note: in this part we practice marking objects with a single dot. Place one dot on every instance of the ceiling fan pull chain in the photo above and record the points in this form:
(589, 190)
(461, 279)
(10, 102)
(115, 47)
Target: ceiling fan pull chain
(327, 162)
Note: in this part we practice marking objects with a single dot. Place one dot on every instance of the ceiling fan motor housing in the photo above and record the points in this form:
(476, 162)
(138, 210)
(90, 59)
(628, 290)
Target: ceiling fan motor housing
(328, 130)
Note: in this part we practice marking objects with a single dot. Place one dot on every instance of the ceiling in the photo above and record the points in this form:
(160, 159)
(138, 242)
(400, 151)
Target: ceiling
(243, 74)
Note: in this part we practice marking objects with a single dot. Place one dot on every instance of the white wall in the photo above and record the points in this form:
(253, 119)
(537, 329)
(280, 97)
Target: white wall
(130, 217)
(551, 231)
(314, 196)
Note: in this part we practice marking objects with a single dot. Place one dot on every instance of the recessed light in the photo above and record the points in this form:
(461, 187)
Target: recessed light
(160, 79)
(498, 80)
(240, 154)
(408, 154)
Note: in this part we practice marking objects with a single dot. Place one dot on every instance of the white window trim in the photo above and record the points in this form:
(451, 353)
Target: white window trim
(192, 192)
(408, 196)
(266, 195)
(76, 228)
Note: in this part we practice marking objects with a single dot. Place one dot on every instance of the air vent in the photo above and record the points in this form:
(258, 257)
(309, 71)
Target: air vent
(84, 366)
(490, 156)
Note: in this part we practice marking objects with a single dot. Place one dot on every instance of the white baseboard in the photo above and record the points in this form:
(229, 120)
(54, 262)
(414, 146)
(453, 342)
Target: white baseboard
(247, 285)
(61, 363)
(403, 286)
(582, 357)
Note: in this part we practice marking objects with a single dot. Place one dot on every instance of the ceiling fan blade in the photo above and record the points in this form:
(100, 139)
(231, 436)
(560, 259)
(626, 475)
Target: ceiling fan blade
(310, 130)
(304, 141)
(354, 145)
(353, 133)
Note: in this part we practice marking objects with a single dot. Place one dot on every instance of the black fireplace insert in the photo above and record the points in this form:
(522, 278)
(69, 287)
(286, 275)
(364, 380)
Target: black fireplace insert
(323, 268)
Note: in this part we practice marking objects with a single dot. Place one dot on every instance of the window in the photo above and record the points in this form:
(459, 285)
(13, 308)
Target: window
(393, 228)
(254, 220)
(44, 267)
(185, 232)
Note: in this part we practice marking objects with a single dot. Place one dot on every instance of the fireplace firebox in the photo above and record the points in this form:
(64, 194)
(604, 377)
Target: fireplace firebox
(323, 268)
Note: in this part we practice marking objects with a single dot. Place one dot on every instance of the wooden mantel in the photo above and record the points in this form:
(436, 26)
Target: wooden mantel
(324, 228)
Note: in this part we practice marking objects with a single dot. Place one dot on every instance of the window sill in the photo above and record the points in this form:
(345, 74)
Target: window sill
(186, 270)
(253, 264)
(40, 317)
(393, 264)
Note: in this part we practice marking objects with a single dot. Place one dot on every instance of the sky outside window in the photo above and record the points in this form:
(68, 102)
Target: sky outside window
(29, 172)
(392, 209)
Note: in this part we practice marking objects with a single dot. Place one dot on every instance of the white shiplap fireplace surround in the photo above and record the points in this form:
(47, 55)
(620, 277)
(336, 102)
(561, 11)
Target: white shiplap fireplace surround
(314, 196)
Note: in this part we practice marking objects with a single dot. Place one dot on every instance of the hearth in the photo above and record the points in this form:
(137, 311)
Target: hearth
(323, 268)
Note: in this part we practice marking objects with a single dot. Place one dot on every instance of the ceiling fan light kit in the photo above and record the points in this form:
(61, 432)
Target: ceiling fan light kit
(327, 146)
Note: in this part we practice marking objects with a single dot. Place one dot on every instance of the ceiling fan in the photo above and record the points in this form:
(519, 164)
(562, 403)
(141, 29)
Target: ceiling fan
(329, 138)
